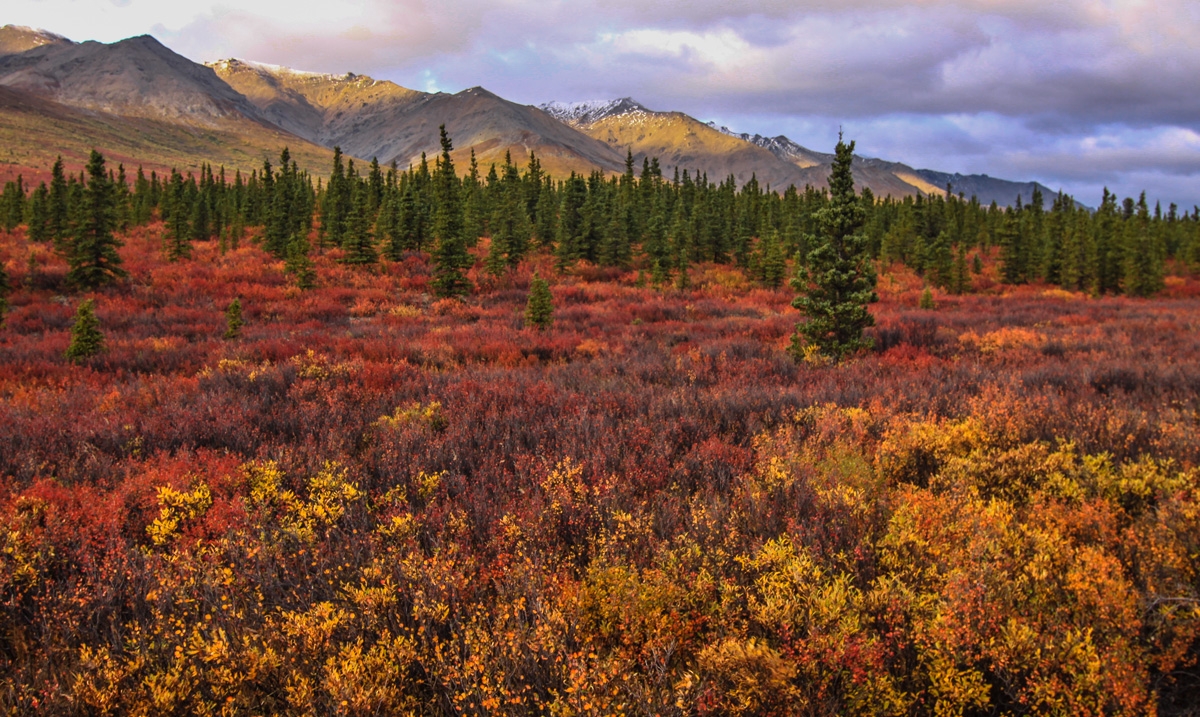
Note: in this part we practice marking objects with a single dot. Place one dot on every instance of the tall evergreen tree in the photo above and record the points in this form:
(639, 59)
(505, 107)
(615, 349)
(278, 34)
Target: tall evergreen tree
(123, 199)
(1012, 257)
(839, 279)
(546, 225)
(59, 221)
(93, 257)
(772, 261)
(39, 214)
(177, 217)
(473, 204)
(12, 204)
(570, 221)
(299, 264)
(960, 277)
(450, 258)
(387, 225)
(1143, 270)
(510, 226)
(357, 239)
(337, 203)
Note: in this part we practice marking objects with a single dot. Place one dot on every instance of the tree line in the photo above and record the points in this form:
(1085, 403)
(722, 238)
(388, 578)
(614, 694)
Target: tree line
(639, 218)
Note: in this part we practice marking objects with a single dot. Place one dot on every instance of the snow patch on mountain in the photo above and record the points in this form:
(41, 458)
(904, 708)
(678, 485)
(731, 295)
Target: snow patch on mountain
(589, 111)
(40, 36)
(780, 146)
(279, 70)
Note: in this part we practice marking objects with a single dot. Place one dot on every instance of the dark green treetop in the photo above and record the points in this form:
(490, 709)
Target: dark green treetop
(92, 254)
(838, 280)
(450, 258)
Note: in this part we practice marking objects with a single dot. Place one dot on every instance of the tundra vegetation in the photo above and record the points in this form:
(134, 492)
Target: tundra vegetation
(387, 483)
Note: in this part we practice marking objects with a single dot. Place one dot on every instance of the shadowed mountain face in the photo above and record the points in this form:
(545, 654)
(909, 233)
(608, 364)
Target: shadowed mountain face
(372, 118)
(135, 100)
(136, 77)
(35, 131)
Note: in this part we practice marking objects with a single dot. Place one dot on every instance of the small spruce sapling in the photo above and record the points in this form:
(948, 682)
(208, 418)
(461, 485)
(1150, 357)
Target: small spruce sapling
(86, 339)
(926, 300)
(539, 310)
(5, 288)
(233, 320)
(298, 263)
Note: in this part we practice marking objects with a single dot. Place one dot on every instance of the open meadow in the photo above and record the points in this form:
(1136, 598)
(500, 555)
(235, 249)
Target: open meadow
(374, 501)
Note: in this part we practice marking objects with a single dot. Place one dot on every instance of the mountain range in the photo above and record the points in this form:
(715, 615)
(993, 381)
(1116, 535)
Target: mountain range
(140, 102)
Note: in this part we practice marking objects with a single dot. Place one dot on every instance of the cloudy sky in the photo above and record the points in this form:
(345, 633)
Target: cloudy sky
(1078, 94)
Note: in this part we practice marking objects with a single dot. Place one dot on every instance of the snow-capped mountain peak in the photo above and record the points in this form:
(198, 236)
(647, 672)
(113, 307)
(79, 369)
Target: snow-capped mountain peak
(587, 112)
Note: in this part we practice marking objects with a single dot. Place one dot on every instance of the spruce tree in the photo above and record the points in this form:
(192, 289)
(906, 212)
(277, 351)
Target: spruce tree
(86, 339)
(546, 226)
(387, 225)
(92, 253)
(772, 264)
(59, 212)
(939, 260)
(450, 258)
(336, 205)
(539, 309)
(510, 227)
(1143, 270)
(298, 263)
(472, 198)
(570, 221)
(839, 279)
(12, 204)
(1012, 258)
(233, 320)
(123, 200)
(926, 300)
(39, 215)
(177, 215)
(960, 278)
(357, 239)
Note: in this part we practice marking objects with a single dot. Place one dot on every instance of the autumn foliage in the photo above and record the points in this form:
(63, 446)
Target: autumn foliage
(373, 501)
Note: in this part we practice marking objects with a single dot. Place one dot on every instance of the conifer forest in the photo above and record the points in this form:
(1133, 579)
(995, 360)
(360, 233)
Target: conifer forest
(465, 440)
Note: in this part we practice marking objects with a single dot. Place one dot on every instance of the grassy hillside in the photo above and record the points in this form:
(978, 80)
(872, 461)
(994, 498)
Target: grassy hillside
(33, 131)
(680, 141)
(372, 502)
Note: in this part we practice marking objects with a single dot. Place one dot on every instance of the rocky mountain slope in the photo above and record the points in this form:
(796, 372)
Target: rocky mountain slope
(683, 142)
(137, 77)
(373, 118)
(678, 141)
(139, 100)
(135, 100)
(894, 178)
